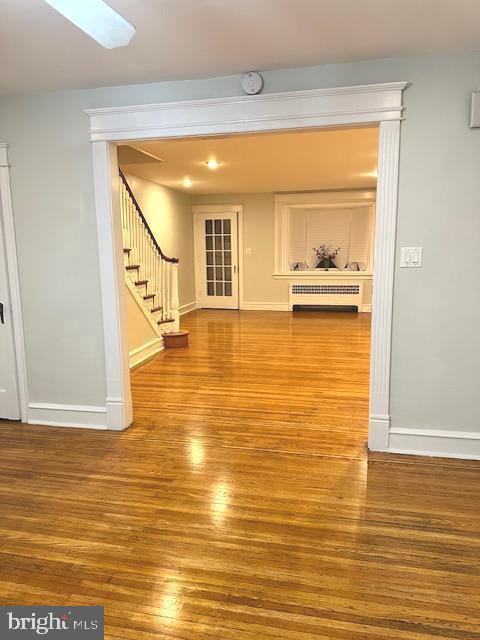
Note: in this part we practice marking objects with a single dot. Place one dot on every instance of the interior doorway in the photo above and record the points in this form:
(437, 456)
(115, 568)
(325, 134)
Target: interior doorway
(381, 104)
(293, 214)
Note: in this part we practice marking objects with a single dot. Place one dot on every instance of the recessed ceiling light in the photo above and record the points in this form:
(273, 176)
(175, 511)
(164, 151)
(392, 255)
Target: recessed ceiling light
(97, 19)
(187, 183)
(212, 163)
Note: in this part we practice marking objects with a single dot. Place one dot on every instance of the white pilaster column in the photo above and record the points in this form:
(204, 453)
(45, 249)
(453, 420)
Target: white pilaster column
(112, 280)
(6, 214)
(175, 303)
(384, 263)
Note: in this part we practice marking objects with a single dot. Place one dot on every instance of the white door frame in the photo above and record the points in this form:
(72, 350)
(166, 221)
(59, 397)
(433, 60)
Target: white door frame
(376, 104)
(6, 215)
(220, 208)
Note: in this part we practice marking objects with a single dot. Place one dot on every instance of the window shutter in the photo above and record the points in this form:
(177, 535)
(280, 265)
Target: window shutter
(347, 229)
(330, 227)
(360, 237)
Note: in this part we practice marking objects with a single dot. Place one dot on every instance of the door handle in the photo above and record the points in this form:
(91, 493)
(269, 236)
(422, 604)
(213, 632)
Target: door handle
(234, 268)
(2, 317)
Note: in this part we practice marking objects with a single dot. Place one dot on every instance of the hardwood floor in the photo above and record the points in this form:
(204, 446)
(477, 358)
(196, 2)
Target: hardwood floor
(242, 504)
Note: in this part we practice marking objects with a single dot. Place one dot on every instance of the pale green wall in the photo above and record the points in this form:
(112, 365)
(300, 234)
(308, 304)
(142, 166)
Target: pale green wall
(436, 346)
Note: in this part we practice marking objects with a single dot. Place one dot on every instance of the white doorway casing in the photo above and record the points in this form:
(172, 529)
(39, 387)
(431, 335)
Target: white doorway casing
(13, 305)
(346, 106)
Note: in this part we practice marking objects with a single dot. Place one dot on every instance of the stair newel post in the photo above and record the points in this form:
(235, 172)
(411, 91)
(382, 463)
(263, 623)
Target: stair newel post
(164, 296)
(175, 303)
(152, 272)
(168, 296)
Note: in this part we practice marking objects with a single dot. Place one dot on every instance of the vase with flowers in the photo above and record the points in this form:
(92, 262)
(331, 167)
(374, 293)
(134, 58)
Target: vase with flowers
(325, 256)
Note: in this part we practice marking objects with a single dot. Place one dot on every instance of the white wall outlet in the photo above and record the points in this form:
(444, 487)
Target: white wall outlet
(411, 257)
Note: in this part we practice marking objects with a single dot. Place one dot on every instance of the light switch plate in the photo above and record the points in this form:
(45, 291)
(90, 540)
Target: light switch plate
(248, 251)
(411, 257)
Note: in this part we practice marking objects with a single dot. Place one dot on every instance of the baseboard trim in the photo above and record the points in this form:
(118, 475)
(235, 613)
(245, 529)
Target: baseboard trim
(378, 433)
(187, 308)
(366, 308)
(67, 415)
(145, 351)
(443, 443)
(119, 417)
(265, 306)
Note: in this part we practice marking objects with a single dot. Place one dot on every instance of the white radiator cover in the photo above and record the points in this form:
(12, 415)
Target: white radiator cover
(334, 292)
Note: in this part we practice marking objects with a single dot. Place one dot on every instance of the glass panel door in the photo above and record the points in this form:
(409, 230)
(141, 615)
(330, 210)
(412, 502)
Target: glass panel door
(218, 252)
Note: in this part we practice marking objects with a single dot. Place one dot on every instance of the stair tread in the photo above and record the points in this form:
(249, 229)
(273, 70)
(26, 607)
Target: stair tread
(155, 309)
(165, 321)
(141, 283)
(150, 296)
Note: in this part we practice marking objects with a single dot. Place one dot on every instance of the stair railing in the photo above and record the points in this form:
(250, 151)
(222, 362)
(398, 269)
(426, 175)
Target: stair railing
(155, 274)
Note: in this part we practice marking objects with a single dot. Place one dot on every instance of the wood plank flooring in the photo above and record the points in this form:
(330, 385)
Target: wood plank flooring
(242, 504)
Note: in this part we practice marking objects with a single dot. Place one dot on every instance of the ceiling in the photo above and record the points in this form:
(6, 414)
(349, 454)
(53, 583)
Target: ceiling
(260, 163)
(184, 39)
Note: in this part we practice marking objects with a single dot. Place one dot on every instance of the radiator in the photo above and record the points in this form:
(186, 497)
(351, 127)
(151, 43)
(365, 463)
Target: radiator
(339, 293)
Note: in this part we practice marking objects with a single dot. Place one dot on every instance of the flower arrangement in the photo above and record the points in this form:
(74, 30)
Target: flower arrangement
(325, 255)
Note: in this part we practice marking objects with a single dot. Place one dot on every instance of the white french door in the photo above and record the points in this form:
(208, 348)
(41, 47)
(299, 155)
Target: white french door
(9, 399)
(217, 260)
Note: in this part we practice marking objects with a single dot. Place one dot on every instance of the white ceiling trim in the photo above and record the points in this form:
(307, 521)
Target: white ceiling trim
(314, 108)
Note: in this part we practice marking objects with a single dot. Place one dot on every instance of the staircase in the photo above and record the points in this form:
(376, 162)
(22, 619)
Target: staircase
(151, 276)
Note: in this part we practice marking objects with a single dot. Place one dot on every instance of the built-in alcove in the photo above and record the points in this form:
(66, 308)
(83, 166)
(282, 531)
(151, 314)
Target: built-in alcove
(341, 220)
